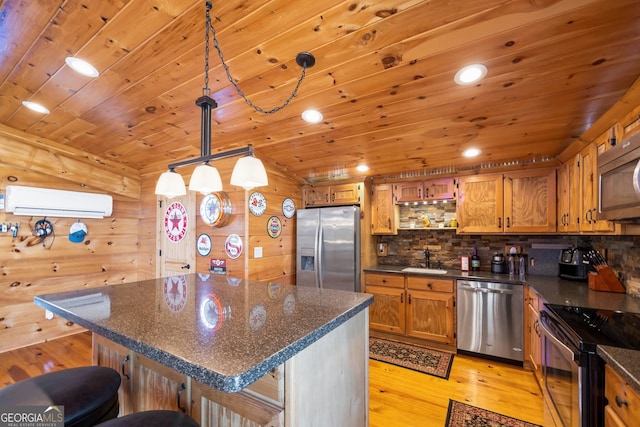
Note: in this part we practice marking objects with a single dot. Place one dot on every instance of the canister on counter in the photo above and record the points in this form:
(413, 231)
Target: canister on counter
(464, 263)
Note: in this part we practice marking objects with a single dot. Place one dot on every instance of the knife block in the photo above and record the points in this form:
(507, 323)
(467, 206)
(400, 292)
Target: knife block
(604, 279)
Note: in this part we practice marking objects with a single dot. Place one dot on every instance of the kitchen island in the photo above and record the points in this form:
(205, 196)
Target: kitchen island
(235, 352)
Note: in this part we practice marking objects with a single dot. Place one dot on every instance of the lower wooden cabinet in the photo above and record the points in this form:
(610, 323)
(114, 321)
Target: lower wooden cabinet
(148, 385)
(415, 306)
(623, 408)
(533, 334)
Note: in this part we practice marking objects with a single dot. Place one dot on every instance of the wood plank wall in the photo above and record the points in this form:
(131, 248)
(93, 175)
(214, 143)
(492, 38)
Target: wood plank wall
(118, 249)
(31, 265)
(278, 254)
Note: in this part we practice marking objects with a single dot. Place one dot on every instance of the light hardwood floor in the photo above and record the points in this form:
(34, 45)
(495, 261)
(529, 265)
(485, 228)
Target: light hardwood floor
(398, 397)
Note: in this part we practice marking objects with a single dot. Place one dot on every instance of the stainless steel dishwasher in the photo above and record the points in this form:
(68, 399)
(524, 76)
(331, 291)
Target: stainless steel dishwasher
(490, 319)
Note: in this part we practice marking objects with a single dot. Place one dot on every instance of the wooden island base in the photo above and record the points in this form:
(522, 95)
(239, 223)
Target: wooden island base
(324, 384)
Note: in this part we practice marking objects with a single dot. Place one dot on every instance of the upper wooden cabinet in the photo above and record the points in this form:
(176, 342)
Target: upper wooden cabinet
(417, 191)
(589, 185)
(440, 189)
(479, 206)
(330, 195)
(514, 202)
(408, 192)
(569, 196)
(384, 218)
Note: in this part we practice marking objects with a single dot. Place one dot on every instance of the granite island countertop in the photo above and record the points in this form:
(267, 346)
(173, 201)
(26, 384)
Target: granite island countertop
(563, 292)
(223, 332)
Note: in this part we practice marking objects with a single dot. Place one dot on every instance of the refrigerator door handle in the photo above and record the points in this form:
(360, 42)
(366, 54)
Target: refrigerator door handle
(320, 256)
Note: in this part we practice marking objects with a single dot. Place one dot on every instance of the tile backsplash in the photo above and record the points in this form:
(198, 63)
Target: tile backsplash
(407, 249)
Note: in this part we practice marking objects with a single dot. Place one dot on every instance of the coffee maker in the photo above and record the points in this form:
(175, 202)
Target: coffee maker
(498, 264)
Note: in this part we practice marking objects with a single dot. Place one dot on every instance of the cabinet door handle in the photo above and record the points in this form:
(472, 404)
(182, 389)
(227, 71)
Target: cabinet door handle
(499, 222)
(124, 362)
(182, 388)
(429, 285)
(384, 280)
(401, 298)
(409, 299)
(621, 402)
(508, 222)
(186, 267)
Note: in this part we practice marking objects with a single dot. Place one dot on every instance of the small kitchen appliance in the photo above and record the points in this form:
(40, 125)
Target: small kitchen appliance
(574, 264)
(498, 264)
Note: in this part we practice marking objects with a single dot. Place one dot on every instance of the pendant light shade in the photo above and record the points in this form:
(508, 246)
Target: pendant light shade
(249, 172)
(205, 179)
(170, 184)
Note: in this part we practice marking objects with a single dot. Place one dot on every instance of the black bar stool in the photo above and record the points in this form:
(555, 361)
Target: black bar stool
(89, 394)
(156, 418)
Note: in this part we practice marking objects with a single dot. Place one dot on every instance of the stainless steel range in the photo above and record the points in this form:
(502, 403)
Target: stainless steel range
(573, 373)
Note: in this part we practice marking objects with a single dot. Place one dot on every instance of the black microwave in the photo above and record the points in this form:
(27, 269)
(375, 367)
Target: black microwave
(619, 181)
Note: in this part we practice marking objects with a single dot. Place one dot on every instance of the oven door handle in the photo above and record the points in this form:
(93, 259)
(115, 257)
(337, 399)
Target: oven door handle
(544, 320)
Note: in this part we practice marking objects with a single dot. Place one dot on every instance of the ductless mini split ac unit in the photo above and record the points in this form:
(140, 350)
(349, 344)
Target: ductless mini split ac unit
(32, 201)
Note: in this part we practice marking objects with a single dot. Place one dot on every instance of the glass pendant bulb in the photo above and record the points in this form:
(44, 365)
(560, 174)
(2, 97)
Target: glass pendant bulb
(205, 179)
(170, 185)
(249, 172)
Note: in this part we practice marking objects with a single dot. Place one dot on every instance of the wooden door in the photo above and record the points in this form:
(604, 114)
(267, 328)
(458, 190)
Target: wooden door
(108, 353)
(530, 201)
(383, 210)
(176, 229)
(430, 315)
(156, 386)
(479, 207)
(387, 313)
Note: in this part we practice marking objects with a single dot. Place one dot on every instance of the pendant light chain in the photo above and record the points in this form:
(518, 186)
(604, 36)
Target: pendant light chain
(301, 60)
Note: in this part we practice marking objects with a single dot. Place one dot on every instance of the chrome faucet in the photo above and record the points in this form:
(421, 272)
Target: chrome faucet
(427, 263)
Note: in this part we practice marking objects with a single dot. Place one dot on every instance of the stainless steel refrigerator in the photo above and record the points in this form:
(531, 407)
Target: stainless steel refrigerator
(328, 248)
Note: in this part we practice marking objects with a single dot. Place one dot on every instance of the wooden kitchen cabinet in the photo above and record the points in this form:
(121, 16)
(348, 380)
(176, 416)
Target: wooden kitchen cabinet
(387, 313)
(532, 333)
(431, 309)
(623, 408)
(589, 221)
(408, 192)
(156, 386)
(479, 206)
(530, 201)
(107, 353)
(514, 202)
(569, 196)
(439, 189)
(145, 384)
(419, 306)
(333, 195)
(384, 212)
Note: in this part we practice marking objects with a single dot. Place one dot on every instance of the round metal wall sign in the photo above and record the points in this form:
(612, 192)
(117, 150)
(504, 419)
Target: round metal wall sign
(175, 222)
(274, 227)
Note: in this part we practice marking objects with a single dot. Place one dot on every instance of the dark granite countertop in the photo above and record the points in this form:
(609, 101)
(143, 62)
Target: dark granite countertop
(555, 290)
(223, 332)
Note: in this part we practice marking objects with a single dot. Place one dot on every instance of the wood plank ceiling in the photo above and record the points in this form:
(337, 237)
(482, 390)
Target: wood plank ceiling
(383, 79)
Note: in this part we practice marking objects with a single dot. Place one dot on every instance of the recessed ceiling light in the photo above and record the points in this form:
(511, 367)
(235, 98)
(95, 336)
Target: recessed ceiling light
(34, 106)
(362, 168)
(471, 152)
(470, 74)
(81, 66)
(312, 116)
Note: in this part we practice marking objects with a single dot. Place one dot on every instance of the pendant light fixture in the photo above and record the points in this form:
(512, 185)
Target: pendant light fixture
(249, 172)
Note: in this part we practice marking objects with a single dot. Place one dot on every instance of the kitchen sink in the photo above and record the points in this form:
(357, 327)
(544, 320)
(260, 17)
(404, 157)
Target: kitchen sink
(424, 270)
